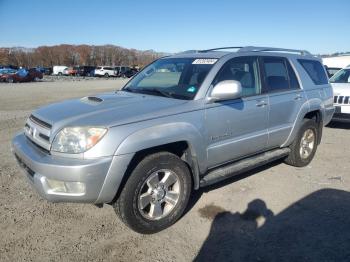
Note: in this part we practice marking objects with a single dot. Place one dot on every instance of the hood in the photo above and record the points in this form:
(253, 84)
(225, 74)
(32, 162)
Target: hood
(341, 89)
(109, 109)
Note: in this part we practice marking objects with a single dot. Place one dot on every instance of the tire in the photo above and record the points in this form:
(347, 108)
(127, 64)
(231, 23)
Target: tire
(142, 218)
(60, 73)
(36, 79)
(10, 80)
(106, 75)
(300, 146)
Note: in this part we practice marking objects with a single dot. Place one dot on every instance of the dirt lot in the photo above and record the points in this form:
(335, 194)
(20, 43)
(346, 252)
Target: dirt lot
(275, 213)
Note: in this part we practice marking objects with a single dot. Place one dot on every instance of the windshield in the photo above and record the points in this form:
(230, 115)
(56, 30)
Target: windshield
(172, 77)
(342, 76)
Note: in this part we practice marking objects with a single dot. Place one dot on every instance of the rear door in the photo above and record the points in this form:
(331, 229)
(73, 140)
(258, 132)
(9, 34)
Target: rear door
(237, 128)
(286, 97)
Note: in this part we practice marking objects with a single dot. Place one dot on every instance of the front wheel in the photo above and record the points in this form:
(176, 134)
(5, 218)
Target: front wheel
(304, 146)
(156, 194)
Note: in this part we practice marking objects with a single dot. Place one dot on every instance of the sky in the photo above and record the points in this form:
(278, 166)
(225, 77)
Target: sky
(319, 26)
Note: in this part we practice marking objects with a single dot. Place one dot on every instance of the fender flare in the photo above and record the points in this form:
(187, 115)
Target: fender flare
(311, 105)
(166, 134)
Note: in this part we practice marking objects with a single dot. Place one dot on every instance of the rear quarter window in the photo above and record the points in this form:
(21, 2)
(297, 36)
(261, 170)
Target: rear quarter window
(315, 70)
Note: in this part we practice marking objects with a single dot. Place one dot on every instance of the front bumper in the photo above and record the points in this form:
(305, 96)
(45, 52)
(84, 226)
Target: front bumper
(341, 117)
(342, 114)
(101, 176)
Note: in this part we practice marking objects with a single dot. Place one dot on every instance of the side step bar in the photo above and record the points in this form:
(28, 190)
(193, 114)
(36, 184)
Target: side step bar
(239, 167)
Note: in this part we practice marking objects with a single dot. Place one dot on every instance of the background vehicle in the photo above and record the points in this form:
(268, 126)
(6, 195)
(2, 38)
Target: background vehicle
(22, 75)
(130, 73)
(331, 70)
(341, 88)
(5, 71)
(86, 71)
(59, 70)
(71, 71)
(185, 121)
(121, 70)
(44, 70)
(105, 71)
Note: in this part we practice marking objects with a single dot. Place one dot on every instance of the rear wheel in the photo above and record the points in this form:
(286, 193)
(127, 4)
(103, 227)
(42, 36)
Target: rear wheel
(304, 146)
(60, 73)
(10, 80)
(106, 75)
(156, 194)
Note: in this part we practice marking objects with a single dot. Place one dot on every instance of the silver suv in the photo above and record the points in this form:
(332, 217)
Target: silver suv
(184, 122)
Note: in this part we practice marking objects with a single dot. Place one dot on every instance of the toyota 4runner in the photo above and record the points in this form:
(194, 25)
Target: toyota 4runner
(184, 122)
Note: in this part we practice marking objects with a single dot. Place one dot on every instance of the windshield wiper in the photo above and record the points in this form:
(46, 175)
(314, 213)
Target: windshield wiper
(156, 92)
(128, 89)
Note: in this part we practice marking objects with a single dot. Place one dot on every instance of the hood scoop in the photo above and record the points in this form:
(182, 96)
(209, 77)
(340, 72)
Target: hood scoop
(92, 100)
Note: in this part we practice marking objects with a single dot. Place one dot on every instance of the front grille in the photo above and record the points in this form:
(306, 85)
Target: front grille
(38, 132)
(343, 100)
(40, 122)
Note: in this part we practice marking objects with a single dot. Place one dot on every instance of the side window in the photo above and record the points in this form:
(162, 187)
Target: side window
(279, 74)
(315, 70)
(243, 69)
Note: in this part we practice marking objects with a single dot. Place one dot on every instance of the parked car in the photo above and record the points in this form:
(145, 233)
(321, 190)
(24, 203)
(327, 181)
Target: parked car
(145, 148)
(9, 67)
(60, 70)
(331, 70)
(120, 70)
(105, 71)
(341, 88)
(22, 75)
(44, 70)
(126, 72)
(86, 71)
(5, 71)
(71, 71)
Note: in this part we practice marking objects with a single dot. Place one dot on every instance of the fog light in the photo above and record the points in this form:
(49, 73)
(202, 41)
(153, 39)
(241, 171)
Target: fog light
(62, 187)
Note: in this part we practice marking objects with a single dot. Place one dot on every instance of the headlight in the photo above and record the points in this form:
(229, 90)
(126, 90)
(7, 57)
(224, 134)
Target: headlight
(74, 140)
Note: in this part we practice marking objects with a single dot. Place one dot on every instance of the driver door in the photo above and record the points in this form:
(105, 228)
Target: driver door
(239, 127)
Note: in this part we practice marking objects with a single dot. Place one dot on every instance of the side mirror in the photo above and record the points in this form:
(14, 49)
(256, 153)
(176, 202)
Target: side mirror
(226, 90)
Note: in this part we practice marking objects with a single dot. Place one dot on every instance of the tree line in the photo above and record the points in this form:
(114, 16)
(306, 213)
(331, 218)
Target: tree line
(74, 55)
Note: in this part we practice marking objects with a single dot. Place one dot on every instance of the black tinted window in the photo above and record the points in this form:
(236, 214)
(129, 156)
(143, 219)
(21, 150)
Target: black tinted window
(315, 71)
(244, 70)
(276, 74)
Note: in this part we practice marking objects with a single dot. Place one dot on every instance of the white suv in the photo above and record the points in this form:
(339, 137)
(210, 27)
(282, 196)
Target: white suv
(105, 71)
(341, 89)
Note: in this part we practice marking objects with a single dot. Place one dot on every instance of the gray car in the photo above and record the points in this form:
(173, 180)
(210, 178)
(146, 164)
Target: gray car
(184, 122)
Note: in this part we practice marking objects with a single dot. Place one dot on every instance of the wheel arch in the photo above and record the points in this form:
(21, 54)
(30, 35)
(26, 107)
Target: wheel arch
(311, 110)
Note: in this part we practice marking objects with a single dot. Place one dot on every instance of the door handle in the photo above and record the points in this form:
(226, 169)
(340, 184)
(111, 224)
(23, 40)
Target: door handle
(261, 103)
(298, 97)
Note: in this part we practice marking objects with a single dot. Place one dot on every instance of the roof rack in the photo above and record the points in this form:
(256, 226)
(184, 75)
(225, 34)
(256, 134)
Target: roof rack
(220, 48)
(258, 49)
(272, 49)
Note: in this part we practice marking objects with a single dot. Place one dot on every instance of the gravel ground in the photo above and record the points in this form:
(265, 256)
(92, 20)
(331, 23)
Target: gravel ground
(275, 213)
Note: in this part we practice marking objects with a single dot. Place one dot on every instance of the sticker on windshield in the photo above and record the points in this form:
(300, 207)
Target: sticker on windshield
(206, 61)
